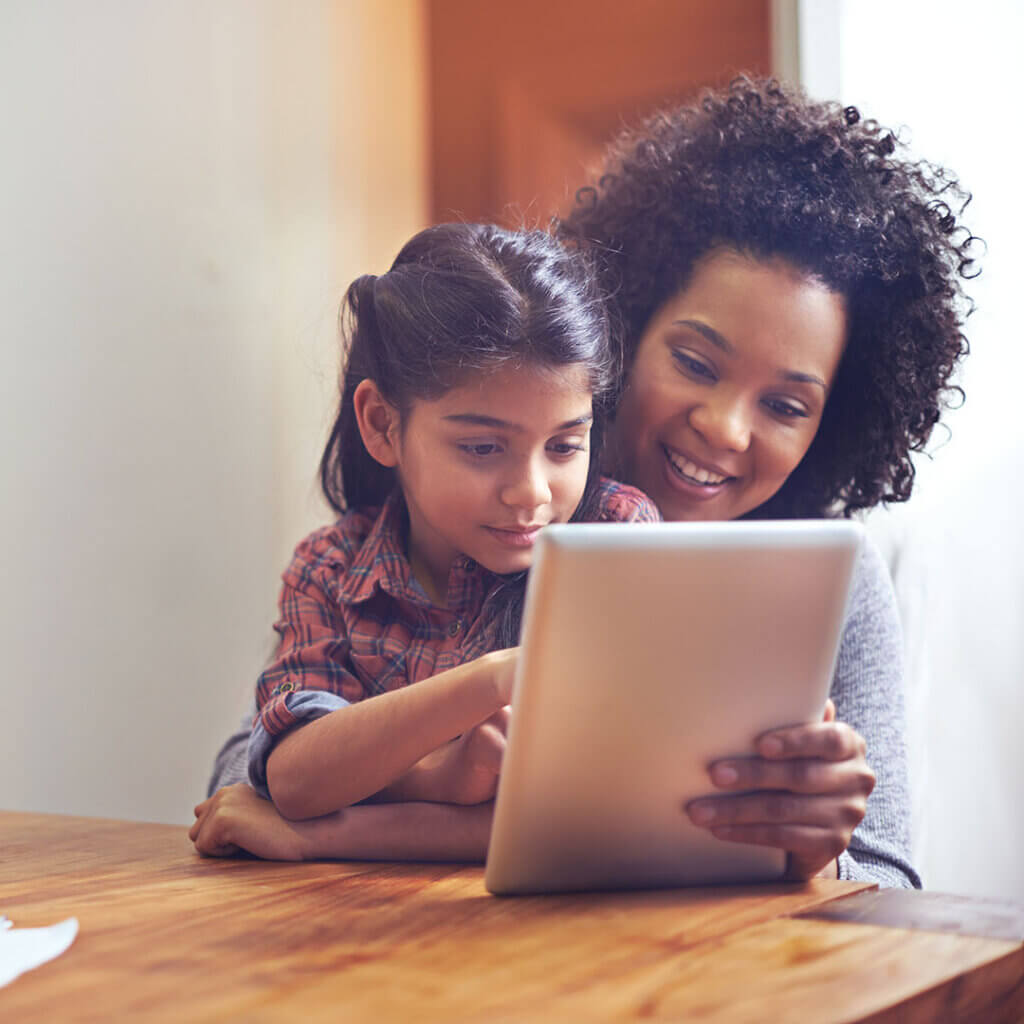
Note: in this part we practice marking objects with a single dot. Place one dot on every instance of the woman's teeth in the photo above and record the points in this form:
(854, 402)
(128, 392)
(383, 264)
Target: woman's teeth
(694, 473)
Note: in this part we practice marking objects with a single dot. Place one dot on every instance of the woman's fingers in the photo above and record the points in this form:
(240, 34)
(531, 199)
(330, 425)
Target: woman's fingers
(805, 793)
(809, 848)
(842, 813)
(800, 775)
(829, 740)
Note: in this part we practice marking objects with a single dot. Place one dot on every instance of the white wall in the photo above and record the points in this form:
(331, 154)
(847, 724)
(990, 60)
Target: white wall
(185, 189)
(947, 70)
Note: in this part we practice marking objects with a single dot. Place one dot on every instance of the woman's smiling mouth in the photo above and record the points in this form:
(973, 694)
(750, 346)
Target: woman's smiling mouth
(692, 473)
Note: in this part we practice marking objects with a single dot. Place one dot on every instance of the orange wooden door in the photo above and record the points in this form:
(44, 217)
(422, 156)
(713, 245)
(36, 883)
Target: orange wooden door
(525, 95)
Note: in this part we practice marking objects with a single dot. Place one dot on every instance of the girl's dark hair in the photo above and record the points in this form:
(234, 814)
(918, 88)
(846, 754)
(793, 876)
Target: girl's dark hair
(461, 300)
(760, 168)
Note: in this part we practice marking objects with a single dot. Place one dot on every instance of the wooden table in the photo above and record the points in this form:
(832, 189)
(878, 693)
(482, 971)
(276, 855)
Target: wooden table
(166, 934)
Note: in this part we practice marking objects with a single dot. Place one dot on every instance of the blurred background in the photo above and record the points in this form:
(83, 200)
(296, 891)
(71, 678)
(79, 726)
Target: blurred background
(187, 188)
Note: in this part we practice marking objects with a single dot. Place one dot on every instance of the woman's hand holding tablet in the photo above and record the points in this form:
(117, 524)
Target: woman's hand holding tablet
(794, 764)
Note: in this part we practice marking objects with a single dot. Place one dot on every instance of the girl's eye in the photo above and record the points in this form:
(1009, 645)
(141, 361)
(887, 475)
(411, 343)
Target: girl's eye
(481, 450)
(566, 448)
(694, 367)
(785, 409)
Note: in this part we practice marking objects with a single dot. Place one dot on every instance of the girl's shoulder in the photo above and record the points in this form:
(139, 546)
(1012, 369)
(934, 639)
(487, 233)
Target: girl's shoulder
(336, 547)
(615, 502)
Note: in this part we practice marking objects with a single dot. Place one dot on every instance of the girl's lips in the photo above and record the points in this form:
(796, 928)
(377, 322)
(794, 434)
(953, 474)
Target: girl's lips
(692, 488)
(514, 537)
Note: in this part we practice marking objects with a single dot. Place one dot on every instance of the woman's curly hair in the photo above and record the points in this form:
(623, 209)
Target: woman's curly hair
(761, 168)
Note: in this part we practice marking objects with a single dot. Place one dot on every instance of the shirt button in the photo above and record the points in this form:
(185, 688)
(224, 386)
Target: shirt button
(468, 564)
(454, 628)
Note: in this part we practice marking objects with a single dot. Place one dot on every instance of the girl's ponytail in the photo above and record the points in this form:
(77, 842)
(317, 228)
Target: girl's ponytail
(349, 475)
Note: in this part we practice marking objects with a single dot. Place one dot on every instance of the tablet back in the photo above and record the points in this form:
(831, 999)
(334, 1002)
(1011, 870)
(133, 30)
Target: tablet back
(649, 651)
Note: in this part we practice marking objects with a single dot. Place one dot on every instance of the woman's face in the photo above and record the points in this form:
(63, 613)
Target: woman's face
(727, 387)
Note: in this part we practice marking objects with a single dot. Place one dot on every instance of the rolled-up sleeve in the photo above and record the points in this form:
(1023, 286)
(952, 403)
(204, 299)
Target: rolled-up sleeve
(304, 706)
(310, 674)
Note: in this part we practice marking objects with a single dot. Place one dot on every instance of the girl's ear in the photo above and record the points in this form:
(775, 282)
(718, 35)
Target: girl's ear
(378, 422)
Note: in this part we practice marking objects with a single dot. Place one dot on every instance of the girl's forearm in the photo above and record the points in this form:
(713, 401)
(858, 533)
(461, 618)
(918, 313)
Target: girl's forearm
(350, 754)
(401, 831)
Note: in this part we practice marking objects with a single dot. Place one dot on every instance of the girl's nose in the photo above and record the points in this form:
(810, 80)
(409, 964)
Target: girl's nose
(528, 489)
(723, 422)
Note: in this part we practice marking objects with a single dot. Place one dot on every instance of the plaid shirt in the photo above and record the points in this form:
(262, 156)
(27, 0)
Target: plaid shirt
(353, 622)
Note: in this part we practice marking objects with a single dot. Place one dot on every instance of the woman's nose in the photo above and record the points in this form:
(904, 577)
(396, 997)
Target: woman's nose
(723, 422)
(529, 488)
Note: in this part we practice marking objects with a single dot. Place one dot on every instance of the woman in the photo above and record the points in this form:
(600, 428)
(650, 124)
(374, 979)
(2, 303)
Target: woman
(786, 287)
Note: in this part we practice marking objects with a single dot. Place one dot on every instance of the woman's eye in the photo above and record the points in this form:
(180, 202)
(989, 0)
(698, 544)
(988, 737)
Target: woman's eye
(785, 409)
(692, 366)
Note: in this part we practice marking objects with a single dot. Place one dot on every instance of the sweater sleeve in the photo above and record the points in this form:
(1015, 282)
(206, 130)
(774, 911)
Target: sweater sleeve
(231, 764)
(868, 693)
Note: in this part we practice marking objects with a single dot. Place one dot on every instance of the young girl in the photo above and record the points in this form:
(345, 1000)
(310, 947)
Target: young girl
(473, 376)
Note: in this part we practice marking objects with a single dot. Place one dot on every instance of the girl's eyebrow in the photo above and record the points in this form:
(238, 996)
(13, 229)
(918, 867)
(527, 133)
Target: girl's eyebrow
(726, 346)
(475, 420)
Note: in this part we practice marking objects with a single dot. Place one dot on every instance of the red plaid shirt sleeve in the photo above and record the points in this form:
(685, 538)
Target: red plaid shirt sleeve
(313, 649)
(621, 503)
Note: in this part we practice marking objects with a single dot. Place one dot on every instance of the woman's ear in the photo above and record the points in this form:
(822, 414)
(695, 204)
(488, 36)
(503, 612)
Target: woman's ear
(378, 422)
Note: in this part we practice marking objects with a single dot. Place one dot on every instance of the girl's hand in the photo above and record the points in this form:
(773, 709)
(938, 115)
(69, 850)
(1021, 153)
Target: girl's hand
(466, 770)
(810, 789)
(502, 665)
(236, 819)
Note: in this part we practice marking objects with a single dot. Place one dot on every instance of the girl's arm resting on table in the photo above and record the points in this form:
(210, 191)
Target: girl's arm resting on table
(359, 750)
(237, 819)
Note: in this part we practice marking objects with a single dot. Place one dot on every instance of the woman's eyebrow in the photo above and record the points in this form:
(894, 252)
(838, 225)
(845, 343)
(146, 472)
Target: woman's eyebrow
(802, 378)
(710, 333)
(726, 346)
(477, 420)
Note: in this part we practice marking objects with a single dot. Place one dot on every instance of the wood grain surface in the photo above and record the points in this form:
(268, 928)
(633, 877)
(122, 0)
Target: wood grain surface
(928, 911)
(167, 935)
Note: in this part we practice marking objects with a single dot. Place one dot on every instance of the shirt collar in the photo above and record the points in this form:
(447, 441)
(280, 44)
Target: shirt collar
(381, 563)
(381, 560)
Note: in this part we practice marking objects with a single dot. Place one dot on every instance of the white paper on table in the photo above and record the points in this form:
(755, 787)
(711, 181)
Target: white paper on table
(21, 949)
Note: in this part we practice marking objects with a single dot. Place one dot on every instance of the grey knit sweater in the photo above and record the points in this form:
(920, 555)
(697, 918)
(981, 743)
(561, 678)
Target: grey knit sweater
(868, 694)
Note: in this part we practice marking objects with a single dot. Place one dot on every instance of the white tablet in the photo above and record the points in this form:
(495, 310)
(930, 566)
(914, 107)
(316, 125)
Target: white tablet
(649, 651)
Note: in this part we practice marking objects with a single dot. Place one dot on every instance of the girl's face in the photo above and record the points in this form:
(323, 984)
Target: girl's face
(727, 387)
(488, 464)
